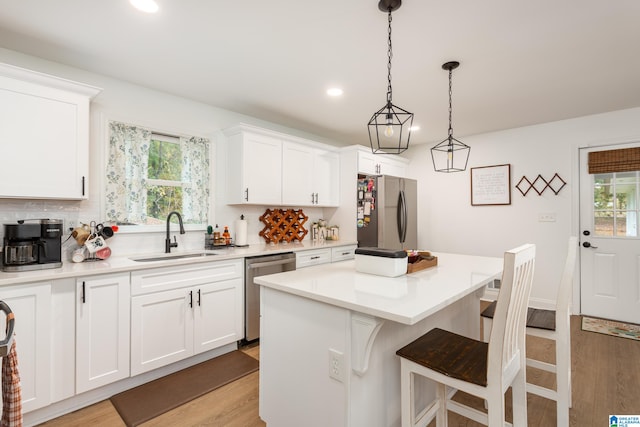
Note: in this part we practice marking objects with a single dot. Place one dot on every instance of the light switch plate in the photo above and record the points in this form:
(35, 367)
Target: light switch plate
(547, 217)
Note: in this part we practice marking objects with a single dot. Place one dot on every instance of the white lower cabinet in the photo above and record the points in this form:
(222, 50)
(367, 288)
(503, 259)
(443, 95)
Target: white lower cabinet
(102, 330)
(31, 305)
(311, 257)
(177, 312)
(218, 315)
(163, 326)
(342, 253)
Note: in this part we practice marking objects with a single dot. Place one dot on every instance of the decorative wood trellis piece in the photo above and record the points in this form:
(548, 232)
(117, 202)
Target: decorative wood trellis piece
(283, 225)
(539, 185)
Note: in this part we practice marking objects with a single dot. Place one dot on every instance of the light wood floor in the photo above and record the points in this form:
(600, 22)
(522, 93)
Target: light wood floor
(233, 405)
(606, 381)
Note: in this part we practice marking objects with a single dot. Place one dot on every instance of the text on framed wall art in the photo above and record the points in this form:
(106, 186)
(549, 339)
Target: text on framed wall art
(491, 185)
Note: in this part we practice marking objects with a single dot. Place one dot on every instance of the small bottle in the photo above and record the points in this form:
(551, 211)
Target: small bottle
(216, 235)
(226, 235)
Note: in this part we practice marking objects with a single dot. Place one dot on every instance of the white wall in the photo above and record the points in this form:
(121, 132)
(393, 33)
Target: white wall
(160, 111)
(448, 222)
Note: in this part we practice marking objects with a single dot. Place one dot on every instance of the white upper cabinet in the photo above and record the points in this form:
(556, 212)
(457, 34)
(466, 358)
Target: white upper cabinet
(381, 164)
(270, 168)
(367, 163)
(254, 169)
(44, 135)
(310, 175)
(326, 167)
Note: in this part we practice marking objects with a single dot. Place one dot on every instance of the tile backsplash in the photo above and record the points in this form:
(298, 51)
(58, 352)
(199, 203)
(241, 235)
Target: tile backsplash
(71, 212)
(74, 212)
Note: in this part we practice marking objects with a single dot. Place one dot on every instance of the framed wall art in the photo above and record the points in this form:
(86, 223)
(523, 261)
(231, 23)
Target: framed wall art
(491, 185)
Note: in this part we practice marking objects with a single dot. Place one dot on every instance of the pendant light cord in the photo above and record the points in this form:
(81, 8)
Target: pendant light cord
(450, 106)
(389, 55)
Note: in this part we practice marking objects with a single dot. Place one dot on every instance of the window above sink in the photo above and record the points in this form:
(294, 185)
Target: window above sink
(149, 174)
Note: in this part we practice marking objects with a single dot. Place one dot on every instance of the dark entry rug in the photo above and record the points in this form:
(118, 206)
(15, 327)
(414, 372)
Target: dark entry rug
(154, 398)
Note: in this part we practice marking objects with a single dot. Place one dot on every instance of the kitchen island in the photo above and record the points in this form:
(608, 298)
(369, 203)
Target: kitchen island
(329, 336)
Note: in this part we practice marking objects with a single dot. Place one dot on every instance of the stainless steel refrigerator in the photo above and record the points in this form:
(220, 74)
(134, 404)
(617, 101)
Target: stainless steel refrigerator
(387, 212)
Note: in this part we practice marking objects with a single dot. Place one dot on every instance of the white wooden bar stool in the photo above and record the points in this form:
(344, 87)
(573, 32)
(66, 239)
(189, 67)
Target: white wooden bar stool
(553, 325)
(482, 369)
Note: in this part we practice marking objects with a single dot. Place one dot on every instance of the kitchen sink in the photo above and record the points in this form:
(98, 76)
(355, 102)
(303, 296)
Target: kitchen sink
(168, 257)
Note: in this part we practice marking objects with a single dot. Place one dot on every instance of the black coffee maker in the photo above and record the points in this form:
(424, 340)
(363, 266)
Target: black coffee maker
(33, 246)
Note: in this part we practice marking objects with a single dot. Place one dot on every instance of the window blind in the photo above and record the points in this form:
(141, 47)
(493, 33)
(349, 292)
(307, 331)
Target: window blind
(621, 160)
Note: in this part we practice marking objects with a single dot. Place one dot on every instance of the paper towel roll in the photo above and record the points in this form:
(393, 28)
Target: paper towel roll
(240, 227)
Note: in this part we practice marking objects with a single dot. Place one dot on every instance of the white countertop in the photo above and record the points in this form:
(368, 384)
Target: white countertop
(406, 299)
(116, 264)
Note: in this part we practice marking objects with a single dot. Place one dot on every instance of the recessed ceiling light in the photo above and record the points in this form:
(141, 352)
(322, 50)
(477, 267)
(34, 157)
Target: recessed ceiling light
(335, 91)
(148, 6)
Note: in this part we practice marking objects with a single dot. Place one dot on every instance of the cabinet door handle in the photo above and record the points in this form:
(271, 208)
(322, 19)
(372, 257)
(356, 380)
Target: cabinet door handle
(84, 299)
(312, 202)
(83, 185)
(199, 298)
(246, 194)
(316, 198)
(191, 299)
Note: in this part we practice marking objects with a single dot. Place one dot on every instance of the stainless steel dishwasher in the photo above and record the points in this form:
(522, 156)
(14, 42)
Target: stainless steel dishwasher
(254, 267)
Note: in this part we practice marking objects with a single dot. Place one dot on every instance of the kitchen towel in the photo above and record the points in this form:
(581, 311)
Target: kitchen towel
(241, 232)
(11, 390)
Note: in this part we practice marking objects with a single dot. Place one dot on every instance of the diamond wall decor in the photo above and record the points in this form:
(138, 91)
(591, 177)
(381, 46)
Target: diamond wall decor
(539, 185)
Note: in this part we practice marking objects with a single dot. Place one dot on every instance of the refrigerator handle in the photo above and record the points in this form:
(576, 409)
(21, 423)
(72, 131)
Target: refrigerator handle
(402, 217)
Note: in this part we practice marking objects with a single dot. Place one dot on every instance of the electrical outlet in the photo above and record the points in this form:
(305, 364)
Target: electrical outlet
(336, 365)
(71, 224)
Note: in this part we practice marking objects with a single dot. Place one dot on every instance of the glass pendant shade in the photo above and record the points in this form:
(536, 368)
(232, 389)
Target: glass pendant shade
(450, 155)
(390, 130)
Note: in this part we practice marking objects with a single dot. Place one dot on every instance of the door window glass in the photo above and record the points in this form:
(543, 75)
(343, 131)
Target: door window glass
(615, 204)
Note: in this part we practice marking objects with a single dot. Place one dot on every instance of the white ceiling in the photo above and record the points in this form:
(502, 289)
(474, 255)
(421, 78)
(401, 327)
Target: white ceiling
(522, 62)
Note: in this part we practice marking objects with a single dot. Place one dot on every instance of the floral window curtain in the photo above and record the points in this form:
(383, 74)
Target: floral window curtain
(127, 163)
(195, 176)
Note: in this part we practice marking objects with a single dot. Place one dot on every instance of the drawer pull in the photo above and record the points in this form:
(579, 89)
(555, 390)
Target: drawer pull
(315, 257)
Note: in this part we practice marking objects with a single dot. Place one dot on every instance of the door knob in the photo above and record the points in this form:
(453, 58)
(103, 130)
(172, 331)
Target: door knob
(588, 245)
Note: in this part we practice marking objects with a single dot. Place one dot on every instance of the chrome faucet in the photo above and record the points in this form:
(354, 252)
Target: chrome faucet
(167, 242)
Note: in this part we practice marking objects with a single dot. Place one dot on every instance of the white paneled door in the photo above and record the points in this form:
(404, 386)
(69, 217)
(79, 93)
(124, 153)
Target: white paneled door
(610, 242)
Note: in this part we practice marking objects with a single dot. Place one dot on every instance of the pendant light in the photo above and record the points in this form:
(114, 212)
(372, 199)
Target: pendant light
(390, 126)
(450, 155)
